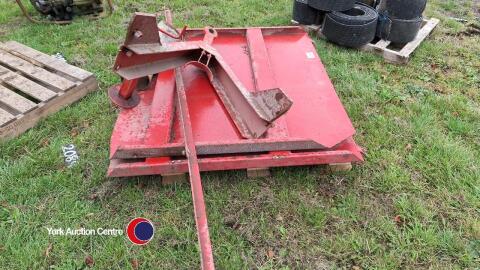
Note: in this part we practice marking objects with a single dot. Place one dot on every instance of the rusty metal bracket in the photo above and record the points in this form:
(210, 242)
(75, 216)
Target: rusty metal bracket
(140, 56)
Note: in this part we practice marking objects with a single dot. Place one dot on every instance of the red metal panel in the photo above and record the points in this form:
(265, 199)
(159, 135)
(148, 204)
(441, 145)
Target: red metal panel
(132, 124)
(317, 112)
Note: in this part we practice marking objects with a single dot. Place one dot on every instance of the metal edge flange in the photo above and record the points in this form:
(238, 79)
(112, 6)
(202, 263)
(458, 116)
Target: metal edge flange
(113, 94)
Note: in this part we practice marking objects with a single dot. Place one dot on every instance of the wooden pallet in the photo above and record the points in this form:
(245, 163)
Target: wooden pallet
(401, 54)
(392, 53)
(255, 173)
(34, 85)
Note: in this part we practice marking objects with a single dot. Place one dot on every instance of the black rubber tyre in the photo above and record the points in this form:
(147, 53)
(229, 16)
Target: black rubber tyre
(397, 30)
(358, 15)
(370, 3)
(351, 29)
(402, 9)
(331, 5)
(304, 14)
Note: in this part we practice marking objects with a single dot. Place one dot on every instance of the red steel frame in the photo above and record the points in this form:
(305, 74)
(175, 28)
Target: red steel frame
(181, 122)
(262, 58)
(346, 153)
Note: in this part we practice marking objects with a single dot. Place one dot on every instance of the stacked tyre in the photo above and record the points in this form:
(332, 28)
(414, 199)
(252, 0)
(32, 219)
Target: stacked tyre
(351, 28)
(400, 20)
(304, 14)
(345, 22)
(371, 3)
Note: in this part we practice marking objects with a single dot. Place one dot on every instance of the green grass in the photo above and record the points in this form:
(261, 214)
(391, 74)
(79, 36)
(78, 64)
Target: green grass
(419, 124)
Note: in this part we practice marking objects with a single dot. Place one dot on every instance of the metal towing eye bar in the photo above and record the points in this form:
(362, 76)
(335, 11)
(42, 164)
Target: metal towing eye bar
(195, 181)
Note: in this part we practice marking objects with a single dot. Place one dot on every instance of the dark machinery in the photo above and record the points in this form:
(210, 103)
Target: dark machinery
(63, 11)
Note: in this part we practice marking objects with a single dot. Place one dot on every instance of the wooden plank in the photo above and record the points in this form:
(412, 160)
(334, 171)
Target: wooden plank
(258, 173)
(5, 117)
(382, 44)
(170, 179)
(340, 167)
(35, 72)
(48, 61)
(15, 101)
(394, 58)
(422, 35)
(389, 55)
(25, 85)
(368, 48)
(31, 118)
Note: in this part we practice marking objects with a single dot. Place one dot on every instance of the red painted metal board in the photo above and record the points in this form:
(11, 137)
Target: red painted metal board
(317, 119)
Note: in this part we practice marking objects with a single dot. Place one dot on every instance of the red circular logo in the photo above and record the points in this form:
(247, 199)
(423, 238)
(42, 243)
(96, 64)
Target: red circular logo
(140, 231)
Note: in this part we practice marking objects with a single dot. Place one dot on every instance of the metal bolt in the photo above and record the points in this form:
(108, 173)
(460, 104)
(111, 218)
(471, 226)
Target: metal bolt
(138, 34)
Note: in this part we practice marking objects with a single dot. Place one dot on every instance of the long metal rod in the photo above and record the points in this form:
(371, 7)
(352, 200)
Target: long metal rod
(195, 180)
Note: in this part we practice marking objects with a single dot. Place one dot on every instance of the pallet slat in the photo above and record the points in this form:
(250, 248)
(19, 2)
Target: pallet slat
(25, 85)
(382, 44)
(50, 62)
(15, 101)
(35, 72)
(5, 117)
(258, 173)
